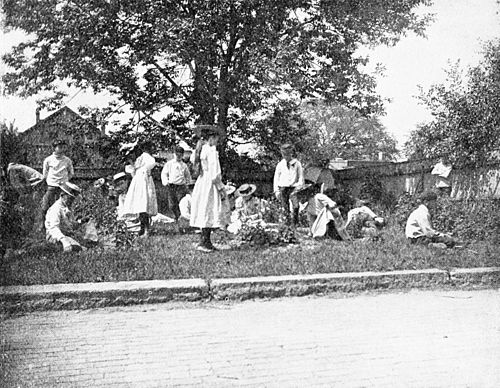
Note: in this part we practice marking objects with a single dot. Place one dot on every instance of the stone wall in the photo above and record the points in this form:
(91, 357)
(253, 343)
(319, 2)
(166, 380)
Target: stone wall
(415, 176)
(398, 178)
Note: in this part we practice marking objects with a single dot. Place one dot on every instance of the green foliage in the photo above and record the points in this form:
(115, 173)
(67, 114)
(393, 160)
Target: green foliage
(375, 192)
(256, 235)
(10, 223)
(11, 147)
(405, 204)
(469, 220)
(466, 122)
(336, 131)
(94, 204)
(221, 60)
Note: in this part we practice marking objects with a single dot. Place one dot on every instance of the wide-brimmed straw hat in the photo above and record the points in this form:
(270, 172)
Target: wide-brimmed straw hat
(70, 189)
(246, 189)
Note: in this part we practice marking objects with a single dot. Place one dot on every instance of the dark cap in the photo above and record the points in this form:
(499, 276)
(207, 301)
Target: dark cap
(57, 142)
(179, 150)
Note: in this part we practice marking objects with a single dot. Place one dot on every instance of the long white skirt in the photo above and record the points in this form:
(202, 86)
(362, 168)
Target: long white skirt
(206, 205)
(141, 195)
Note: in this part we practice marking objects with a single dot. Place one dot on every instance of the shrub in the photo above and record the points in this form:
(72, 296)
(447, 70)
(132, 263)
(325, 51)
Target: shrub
(469, 220)
(256, 235)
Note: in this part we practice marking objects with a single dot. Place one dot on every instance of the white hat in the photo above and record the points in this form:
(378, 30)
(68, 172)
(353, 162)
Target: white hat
(246, 189)
(230, 189)
(119, 176)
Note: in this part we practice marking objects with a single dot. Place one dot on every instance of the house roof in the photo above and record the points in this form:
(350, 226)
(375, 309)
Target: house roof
(64, 110)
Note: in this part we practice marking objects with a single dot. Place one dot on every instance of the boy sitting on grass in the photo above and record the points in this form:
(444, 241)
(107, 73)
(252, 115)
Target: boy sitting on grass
(419, 228)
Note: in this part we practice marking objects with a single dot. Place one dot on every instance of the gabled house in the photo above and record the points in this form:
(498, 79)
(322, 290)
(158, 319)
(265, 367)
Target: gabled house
(81, 135)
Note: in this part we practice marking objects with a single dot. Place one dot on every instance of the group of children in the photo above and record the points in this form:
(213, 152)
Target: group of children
(208, 204)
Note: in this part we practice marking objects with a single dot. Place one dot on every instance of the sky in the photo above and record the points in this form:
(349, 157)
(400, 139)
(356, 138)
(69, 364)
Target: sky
(457, 33)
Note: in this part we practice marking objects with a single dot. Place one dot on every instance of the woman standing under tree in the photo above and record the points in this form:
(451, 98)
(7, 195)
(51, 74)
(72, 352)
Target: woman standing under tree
(209, 191)
(141, 194)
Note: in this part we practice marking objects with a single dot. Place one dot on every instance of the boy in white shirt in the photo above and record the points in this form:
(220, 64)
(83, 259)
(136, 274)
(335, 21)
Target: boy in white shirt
(60, 224)
(57, 170)
(288, 176)
(176, 176)
(419, 228)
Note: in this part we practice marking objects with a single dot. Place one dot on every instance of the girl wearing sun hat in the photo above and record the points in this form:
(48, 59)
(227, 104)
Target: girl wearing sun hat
(248, 208)
(206, 207)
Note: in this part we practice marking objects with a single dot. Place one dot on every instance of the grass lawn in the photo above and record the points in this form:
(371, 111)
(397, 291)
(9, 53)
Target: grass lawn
(170, 256)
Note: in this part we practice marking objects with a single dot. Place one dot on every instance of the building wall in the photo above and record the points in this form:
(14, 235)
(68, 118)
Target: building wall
(66, 125)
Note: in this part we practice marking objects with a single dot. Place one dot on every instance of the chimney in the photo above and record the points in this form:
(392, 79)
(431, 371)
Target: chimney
(37, 114)
(380, 156)
(103, 128)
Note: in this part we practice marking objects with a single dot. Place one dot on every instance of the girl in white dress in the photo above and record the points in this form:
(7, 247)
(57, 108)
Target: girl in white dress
(141, 194)
(209, 191)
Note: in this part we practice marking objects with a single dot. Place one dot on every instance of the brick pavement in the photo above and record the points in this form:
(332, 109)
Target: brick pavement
(415, 339)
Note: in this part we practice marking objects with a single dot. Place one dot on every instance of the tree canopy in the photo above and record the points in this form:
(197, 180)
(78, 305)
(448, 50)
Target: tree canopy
(336, 131)
(466, 115)
(210, 61)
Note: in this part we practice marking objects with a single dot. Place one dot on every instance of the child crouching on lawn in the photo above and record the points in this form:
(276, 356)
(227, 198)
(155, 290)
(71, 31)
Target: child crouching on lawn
(121, 182)
(323, 215)
(419, 228)
(249, 209)
(60, 224)
(185, 209)
(363, 222)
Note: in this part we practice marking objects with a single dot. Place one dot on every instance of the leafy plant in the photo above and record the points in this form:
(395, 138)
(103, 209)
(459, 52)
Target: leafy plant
(256, 235)
(466, 115)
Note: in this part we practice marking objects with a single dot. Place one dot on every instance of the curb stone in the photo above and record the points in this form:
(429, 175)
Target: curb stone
(300, 285)
(94, 295)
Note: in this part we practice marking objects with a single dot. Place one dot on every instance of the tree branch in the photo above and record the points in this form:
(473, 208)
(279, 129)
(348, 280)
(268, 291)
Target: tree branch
(169, 78)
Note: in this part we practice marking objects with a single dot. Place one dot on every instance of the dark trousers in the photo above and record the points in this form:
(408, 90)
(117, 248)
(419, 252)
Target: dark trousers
(424, 240)
(51, 195)
(174, 194)
(285, 195)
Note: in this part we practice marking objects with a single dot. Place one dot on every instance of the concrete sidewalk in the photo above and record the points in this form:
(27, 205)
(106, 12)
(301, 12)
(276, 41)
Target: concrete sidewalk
(94, 295)
(413, 339)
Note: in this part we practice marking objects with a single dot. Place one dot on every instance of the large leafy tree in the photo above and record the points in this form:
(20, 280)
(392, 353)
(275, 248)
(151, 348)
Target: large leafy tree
(336, 131)
(212, 61)
(466, 115)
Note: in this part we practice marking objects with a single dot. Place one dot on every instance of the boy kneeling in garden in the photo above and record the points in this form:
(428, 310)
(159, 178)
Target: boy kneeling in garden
(60, 225)
(419, 228)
